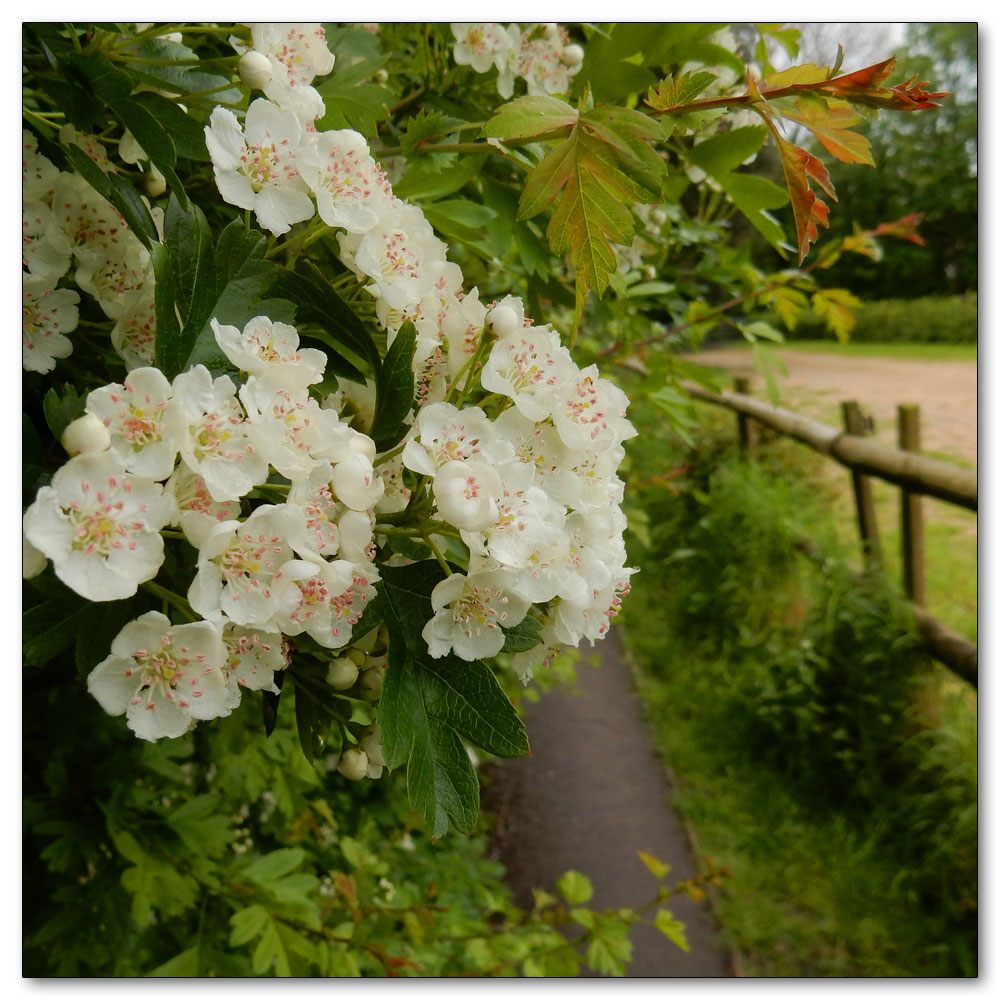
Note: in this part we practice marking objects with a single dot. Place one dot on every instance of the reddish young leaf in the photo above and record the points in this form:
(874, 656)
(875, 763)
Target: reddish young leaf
(903, 229)
(809, 211)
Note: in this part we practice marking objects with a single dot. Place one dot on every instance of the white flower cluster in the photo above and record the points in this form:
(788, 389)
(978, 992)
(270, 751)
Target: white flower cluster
(151, 453)
(282, 61)
(67, 224)
(540, 54)
(533, 493)
(513, 451)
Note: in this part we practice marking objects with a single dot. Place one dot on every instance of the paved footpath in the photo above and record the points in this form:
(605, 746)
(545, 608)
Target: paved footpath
(591, 795)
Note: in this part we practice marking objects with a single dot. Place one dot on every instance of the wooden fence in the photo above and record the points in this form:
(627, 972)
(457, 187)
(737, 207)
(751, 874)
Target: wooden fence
(905, 467)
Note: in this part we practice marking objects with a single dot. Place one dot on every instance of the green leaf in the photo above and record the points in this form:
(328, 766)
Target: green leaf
(394, 390)
(574, 887)
(424, 182)
(187, 134)
(351, 102)
(767, 363)
(61, 411)
(523, 636)
(422, 126)
(459, 219)
(202, 828)
(274, 865)
(182, 966)
(316, 302)
(155, 884)
(188, 237)
(610, 950)
(155, 141)
(654, 864)
(49, 628)
(672, 928)
(311, 723)
(173, 67)
(428, 704)
(169, 351)
(720, 155)
(530, 117)
(605, 165)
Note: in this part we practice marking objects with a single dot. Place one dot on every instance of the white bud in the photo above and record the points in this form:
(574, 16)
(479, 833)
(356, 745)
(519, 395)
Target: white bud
(353, 764)
(255, 69)
(371, 746)
(658, 216)
(155, 184)
(362, 444)
(86, 435)
(33, 561)
(356, 483)
(381, 75)
(551, 30)
(342, 674)
(572, 54)
(502, 320)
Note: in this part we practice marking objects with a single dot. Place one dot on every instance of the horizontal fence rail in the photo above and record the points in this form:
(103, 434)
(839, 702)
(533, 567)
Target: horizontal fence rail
(914, 473)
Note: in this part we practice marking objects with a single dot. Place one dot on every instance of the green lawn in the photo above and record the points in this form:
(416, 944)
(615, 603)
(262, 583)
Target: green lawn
(918, 352)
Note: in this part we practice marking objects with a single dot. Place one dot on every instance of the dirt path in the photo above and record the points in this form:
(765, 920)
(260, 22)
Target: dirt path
(590, 797)
(945, 390)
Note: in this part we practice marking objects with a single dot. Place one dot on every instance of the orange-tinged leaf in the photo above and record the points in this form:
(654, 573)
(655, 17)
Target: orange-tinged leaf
(903, 229)
(863, 80)
(809, 211)
(830, 121)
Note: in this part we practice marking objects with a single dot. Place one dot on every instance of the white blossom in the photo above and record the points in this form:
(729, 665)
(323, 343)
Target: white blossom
(267, 347)
(144, 422)
(469, 613)
(255, 166)
(216, 443)
(100, 526)
(163, 678)
(47, 314)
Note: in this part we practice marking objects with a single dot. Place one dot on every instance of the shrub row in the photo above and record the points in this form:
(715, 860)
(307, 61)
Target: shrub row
(935, 319)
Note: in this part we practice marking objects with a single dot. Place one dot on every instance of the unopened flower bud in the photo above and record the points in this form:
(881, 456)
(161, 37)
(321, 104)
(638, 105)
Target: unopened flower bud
(371, 745)
(155, 184)
(502, 320)
(353, 764)
(658, 216)
(362, 444)
(255, 69)
(381, 75)
(342, 673)
(356, 484)
(370, 683)
(572, 54)
(86, 435)
(33, 561)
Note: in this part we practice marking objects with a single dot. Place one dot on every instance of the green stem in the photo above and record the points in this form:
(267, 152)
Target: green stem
(437, 554)
(174, 600)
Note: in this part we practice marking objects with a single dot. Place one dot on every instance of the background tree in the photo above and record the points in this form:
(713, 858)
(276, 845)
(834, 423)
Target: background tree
(933, 171)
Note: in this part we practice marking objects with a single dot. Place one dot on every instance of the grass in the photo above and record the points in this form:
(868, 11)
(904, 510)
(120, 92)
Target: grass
(915, 352)
(816, 753)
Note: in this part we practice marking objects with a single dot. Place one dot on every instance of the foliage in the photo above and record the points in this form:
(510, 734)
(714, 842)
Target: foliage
(805, 705)
(935, 174)
(319, 493)
(932, 319)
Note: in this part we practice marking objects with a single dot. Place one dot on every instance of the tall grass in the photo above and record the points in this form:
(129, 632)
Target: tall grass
(819, 754)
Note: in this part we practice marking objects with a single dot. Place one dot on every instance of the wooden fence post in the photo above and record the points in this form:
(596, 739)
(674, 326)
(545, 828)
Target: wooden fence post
(744, 424)
(911, 514)
(854, 423)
